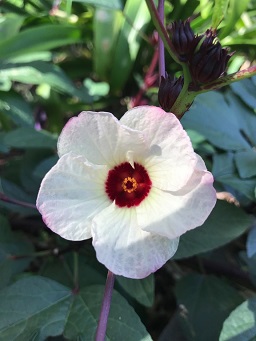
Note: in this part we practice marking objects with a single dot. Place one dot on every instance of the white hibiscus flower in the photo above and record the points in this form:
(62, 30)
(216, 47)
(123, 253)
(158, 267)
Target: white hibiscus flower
(134, 186)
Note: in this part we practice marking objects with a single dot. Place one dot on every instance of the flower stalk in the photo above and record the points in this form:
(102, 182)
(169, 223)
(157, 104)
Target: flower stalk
(185, 98)
(103, 320)
(160, 42)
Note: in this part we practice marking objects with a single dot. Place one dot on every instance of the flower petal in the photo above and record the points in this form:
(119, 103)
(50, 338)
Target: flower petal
(71, 193)
(172, 158)
(171, 214)
(124, 248)
(100, 138)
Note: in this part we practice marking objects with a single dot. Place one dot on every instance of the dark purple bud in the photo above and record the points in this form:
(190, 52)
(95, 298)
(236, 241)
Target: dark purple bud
(210, 61)
(183, 39)
(169, 91)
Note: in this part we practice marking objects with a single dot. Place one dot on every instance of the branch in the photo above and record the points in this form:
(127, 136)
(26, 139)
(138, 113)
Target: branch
(226, 80)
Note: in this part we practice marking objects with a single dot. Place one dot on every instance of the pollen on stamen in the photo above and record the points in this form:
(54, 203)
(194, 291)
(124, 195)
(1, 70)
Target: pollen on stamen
(128, 186)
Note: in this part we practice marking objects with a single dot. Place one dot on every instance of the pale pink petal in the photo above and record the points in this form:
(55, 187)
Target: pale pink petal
(100, 138)
(70, 195)
(172, 158)
(171, 214)
(124, 248)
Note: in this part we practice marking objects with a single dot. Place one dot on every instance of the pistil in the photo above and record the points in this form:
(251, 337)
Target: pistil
(129, 184)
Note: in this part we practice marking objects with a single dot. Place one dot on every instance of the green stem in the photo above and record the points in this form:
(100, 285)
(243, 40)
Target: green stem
(226, 80)
(161, 29)
(76, 271)
(185, 98)
(33, 254)
(69, 7)
(68, 271)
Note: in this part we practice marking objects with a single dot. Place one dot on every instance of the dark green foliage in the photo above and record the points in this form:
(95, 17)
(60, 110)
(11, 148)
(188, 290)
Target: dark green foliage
(55, 63)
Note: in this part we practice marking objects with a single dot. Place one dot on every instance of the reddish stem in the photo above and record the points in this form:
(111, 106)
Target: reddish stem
(160, 42)
(103, 320)
(3, 197)
(149, 80)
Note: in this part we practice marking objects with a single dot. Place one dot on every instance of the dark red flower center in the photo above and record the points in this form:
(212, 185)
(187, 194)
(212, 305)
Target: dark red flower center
(128, 186)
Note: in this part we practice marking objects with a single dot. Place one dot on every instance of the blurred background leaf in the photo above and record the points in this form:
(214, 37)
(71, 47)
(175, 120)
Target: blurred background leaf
(211, 303)
(240, 325)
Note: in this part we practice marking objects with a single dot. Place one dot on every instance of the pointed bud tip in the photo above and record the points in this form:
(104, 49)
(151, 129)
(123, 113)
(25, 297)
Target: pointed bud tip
(183, 39)
(210, 61)
(169, 91)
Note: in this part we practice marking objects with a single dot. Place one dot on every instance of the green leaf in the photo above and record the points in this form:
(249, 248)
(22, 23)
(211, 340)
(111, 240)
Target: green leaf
(245, 89)
(52, 309)
(251, 242)
(3, 147)
(207, 301)
(90, 271)
(96, 90)
(136, 20)
(13, 191)
(142, 290)
(240, 325)
(225, 223)
(11, 245)
(9, 7)
(251, 264)
(43, 167)
(224, 171)
(31, 160)
(16, 108)
(45, 309)
(221, 121)
(236, 63)
(174, 328)
(41, 38)
(205, 8)
(106, 28)
(244, 116)
(110, 4)
(39, 72)
(219, 12)
(122, 319)
(26, 137)
(247, 38)
(195, 138)
(234, 12)
(239, 41)
(46, 56)
(10, 24)
(5, 84)
(246, 163)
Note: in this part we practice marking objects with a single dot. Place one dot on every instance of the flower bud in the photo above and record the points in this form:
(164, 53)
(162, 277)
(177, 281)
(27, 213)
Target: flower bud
(183, 39)
(169, 91)
(210, 61)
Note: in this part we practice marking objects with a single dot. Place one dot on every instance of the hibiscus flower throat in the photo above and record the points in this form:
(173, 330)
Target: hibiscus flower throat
(128, 186)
